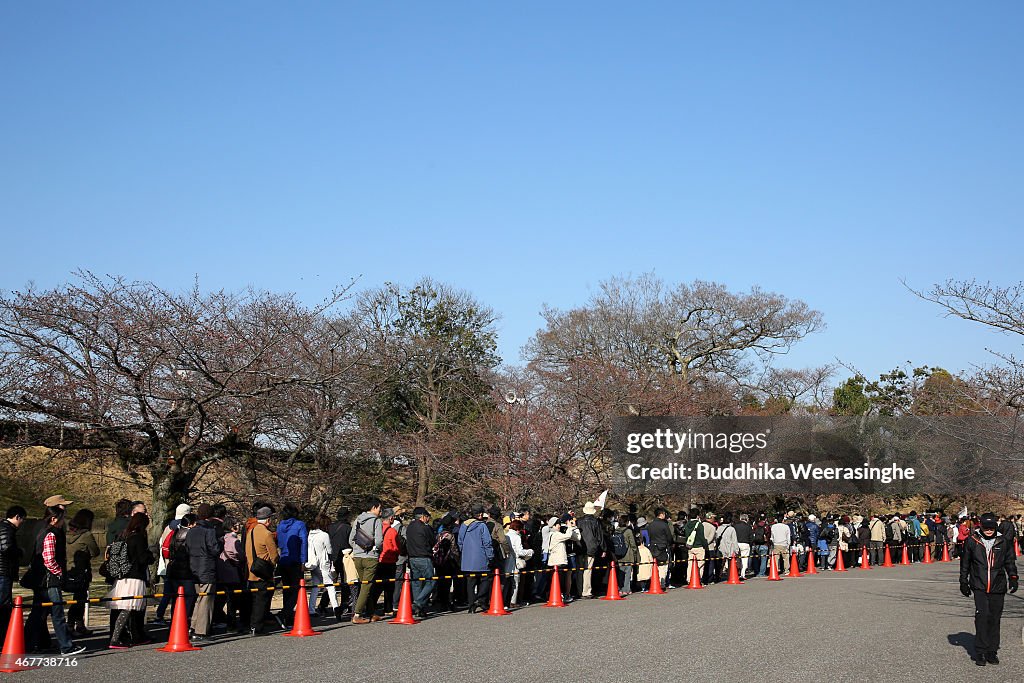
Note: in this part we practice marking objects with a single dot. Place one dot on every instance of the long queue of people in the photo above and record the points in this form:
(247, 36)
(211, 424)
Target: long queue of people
(229, 568)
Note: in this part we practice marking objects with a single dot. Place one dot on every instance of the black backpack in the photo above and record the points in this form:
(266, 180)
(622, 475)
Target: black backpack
(619, 546)
(760, 536)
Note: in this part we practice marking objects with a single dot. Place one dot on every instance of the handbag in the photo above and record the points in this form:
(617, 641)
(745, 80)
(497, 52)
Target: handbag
(29, 580)
(260, 568)
(76, 580)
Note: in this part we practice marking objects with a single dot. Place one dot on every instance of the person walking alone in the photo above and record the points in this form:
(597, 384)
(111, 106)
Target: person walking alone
(988, 570)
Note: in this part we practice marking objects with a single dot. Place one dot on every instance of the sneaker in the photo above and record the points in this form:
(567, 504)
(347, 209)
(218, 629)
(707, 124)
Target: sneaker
(72, 651)
(200, 638)
(991, 658)
(160, 621)
(980, 661)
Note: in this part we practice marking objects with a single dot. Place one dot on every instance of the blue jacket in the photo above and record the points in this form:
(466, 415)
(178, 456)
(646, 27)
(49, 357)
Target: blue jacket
(812, 533)
(292, 539)
(475, 544)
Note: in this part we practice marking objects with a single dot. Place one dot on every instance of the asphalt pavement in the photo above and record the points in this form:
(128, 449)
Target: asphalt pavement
(896, 624)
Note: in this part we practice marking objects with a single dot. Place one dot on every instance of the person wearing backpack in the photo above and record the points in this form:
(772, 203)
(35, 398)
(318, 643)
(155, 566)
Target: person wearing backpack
(419, 544)
(179, 565)
(366, 539)
(659, 531)
(447, 563)
(128, 613)
(161, 568)
(44, 577)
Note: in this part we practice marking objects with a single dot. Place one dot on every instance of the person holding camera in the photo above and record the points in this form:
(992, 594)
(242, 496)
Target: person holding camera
(558, 555)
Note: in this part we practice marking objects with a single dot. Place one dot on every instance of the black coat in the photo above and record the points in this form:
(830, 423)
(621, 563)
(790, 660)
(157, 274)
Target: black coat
(659, 531)
(42, 578)
(986, 572)
(203, 551)
(140, 556)
(10, 553)
(339, 533)
(591, 535)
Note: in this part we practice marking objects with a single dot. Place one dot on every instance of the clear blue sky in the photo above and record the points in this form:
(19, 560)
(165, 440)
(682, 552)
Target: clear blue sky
(526, 151)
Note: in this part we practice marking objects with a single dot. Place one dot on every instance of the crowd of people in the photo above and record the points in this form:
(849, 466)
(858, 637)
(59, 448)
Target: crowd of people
(229, 567)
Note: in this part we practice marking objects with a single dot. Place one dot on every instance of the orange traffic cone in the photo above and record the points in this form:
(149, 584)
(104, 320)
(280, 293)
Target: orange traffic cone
(927, 554)
(555, 596)
(840, 564)
(905, 558)
(864, 558)
(695, 575)
(301, 628)
(734, 573)
(773, 568)
(613, 584)
(655, 587)
(812, 562)
(945, 553)
(887, 559)
(14, 643)
(497, 608)
(794, 566)
(404, 615)
(178, 640)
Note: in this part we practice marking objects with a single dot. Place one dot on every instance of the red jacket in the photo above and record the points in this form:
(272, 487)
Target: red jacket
(390, 552)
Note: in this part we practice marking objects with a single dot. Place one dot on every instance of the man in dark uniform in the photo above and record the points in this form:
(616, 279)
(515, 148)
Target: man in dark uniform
(987, 568)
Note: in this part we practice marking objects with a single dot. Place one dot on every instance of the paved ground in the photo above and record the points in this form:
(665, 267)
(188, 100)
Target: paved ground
(899, 624)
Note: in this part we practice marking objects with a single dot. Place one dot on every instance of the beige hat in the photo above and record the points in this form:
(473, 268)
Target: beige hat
(589, 509)
(54, 501)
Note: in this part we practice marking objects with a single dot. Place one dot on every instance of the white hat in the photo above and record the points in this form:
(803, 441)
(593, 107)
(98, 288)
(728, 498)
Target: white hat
(812, 518)
(182, 510)
(589, 508)
(553, 521)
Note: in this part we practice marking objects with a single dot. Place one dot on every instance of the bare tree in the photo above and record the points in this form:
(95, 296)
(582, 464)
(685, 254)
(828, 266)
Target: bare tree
(170, 382)
(693, 332)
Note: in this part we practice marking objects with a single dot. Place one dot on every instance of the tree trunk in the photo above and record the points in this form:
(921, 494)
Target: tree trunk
(170, 488)
(423, 479)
